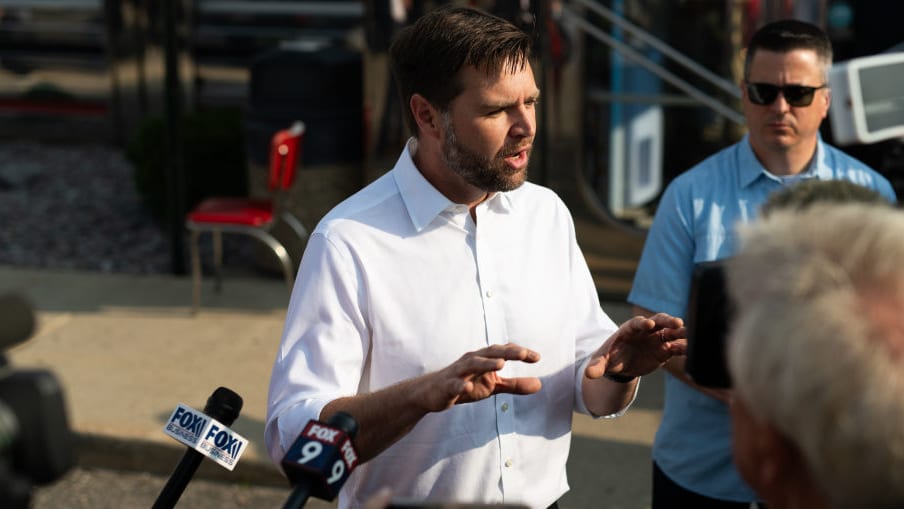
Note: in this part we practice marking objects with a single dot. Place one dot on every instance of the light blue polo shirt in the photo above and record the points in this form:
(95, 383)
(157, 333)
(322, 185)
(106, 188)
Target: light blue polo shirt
(694, 223)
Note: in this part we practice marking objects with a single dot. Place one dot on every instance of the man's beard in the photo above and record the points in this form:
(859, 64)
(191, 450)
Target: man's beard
(487, 174)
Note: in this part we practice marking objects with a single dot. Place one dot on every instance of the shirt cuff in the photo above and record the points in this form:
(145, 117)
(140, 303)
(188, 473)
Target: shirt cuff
(582, 408)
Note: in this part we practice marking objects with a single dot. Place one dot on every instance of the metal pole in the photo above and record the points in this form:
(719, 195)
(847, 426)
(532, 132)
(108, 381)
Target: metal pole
(175, 176)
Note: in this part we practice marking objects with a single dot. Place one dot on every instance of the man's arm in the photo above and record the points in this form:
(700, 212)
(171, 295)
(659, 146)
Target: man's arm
(676, 366)
(387, 415)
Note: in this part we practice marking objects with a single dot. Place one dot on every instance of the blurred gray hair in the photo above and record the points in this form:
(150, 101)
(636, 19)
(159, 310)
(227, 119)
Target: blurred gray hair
(817, 345)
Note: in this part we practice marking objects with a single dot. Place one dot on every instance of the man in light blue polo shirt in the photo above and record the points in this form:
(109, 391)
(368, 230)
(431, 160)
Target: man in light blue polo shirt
(786, 97)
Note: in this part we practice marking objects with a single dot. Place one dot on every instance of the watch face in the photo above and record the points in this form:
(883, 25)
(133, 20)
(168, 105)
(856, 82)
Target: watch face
(619, 378)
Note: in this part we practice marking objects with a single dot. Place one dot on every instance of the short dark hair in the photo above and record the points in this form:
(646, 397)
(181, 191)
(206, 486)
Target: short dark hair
(427, 56)
(788, 35)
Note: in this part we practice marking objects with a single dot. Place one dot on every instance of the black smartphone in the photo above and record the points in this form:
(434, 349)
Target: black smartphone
(709, 312)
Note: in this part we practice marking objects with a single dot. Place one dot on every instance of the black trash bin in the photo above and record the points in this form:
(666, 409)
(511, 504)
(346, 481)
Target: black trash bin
(321, 86)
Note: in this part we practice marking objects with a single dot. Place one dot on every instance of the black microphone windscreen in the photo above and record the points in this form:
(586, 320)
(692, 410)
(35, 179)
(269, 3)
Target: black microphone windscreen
(224, 405)
(345, 422)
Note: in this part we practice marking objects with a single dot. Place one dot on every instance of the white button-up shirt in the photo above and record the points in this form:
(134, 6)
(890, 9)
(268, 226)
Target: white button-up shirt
(398, 281)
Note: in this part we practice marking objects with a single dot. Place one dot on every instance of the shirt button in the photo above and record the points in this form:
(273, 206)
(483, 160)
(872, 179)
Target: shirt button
(508, 463)
(489, 293)
(505, 407)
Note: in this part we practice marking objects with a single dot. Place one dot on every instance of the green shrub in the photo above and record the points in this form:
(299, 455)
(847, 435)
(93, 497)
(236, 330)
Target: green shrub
(214, 162)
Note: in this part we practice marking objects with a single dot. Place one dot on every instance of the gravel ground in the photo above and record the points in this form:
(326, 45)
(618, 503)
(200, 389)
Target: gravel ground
(75, 207)
(84, 488)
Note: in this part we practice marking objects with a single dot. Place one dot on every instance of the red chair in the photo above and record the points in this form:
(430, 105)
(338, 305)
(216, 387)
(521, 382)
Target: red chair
(251, 216)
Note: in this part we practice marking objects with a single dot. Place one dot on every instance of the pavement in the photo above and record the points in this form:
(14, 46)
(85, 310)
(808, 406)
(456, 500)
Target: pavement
(127, 350)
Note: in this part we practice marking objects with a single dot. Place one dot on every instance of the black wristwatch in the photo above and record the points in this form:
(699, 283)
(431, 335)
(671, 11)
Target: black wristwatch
(622, 379)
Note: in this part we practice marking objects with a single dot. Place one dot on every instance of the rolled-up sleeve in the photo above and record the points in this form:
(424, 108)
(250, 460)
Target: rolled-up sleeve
(324, 343)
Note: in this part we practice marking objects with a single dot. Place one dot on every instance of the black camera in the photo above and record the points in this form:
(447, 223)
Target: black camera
(709, 313)
(36, 443)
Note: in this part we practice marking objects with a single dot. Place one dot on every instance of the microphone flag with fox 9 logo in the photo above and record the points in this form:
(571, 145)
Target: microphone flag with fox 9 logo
(321, 459)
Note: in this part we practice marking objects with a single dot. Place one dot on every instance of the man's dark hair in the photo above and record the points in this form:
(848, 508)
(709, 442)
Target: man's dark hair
(789, 35)
(427, 56)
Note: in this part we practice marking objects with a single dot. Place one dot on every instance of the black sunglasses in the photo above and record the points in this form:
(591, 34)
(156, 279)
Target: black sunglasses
(765, 94)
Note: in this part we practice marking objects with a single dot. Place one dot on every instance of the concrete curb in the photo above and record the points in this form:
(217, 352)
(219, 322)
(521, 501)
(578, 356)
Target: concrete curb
(112, 453)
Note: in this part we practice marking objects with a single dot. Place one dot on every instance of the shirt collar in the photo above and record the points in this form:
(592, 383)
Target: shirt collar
(423, 201)
(751, 168)
(822, 170)
(500, 202)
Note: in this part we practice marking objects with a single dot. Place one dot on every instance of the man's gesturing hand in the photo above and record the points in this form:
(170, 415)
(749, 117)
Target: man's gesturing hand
(639, 346)
(474, 377)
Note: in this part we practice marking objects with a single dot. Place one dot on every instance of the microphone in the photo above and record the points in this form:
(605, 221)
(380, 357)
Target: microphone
(205, 434)
(321, 459)
(18, 321)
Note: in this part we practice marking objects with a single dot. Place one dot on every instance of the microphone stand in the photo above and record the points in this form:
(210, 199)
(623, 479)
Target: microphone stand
(298, 497)
(178, 480)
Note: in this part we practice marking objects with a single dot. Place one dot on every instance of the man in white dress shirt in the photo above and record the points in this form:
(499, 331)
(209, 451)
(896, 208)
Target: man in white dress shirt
(447, 306)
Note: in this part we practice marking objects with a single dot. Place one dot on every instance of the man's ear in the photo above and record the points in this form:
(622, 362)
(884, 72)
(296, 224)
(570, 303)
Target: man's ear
(758, 449)
(828, 102)
(776, 454)
(426, 115)
(784, 464)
